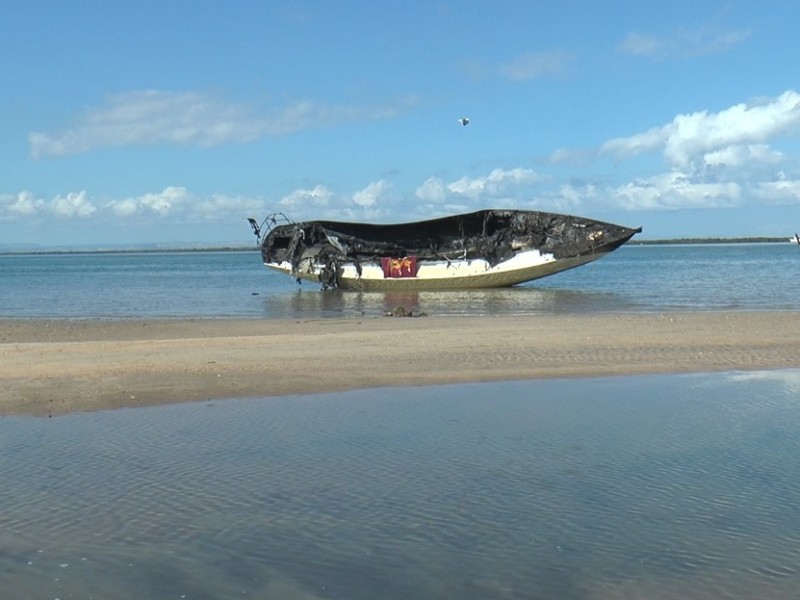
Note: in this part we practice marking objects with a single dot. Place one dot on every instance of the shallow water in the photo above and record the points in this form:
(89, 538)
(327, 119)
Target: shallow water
(681, 486)
(236, 284)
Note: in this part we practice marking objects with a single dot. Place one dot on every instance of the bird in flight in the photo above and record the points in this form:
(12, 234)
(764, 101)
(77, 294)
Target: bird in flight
(464, 121)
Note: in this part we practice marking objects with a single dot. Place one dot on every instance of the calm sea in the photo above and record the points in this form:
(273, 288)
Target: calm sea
(659, 487)
(235, 284)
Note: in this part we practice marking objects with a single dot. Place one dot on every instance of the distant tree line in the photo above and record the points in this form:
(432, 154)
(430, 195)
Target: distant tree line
(745, 240)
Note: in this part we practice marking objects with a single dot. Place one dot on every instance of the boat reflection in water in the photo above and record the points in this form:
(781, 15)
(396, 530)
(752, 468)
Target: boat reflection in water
(521, 300)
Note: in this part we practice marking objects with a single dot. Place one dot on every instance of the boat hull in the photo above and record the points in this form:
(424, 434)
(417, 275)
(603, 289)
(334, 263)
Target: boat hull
(486, 249)
(462, 276)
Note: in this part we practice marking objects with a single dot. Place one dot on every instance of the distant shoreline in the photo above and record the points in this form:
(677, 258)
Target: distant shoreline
(689, 241)
(144, 250)
(253, 248)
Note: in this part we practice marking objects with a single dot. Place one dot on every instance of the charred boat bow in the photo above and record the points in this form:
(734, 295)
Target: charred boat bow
(487, 248)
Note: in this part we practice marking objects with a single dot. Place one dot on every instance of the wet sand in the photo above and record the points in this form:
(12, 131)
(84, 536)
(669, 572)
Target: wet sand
(57, 366)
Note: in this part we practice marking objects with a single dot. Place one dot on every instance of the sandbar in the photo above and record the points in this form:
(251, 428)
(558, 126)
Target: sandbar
(50, 367)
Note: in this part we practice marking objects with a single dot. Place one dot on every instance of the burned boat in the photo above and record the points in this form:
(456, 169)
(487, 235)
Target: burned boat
(483, 249)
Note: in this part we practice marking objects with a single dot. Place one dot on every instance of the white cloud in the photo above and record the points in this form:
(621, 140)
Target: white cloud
(165, 201)
(639, 143)
(499, 183)
(124, 208)
(371, 195)
(674, 190)
(713, 159)
(171, 202)
(779, 191)
(73, 205)
(570, 196)
(152, 117)
(162, 203)
(319, 196)
(742, 155)
(27, 205)
(683, 43)
(504, 184)
(432, 190)
(24, 204)
(517, 187)
(689, 139)
(190, 118)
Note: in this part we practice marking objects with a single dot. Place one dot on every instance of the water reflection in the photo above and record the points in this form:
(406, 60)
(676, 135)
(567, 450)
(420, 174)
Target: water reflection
(522, 300)
(648, 487)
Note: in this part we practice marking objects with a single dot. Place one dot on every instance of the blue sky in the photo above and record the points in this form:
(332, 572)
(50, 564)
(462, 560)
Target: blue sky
(171, 122)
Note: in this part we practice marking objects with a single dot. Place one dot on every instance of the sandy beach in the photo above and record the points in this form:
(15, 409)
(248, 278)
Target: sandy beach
(56, 366)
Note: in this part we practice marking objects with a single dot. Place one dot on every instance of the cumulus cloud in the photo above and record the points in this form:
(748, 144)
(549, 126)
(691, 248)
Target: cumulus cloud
(696, 139)
(639, 143)
(73, 205)
(571, 196)
(371, 195)
(319, 196)
(499, 184)
(173, 202)
(27, 205)
(715, 159)
(675, 190)
(742, 155)
(23, 204)
(780, 190)
(736, 156)
(124, 208)
(190, 118)
(432, 189)
(683, 43)
(162, 203)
